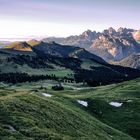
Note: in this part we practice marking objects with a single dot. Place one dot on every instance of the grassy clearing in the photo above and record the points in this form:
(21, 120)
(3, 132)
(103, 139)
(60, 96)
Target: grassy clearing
(61, 73)
(87, 64)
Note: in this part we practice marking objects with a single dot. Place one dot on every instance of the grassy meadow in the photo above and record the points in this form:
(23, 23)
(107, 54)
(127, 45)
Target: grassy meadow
(25, 113)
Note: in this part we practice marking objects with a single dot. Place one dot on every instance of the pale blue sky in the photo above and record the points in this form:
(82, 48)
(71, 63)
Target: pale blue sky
(23, 18)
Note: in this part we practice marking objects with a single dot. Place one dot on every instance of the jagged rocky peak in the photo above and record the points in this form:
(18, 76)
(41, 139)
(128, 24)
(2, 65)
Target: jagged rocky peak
(125, 31)
(109, 45)
(119, 44)
(89, 34)
(121, 30)
(110, 31)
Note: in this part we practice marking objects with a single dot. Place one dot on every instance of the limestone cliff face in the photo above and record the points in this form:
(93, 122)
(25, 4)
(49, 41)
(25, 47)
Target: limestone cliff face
(119, 44)
(132, 61)
(136, 36)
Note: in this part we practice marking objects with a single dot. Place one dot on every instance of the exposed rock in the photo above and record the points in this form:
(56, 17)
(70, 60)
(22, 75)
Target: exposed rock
(132, 61)
(118, 44)
(136, 36)
(84, 40)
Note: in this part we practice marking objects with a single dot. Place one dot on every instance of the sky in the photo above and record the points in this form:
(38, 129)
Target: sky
(61, 18)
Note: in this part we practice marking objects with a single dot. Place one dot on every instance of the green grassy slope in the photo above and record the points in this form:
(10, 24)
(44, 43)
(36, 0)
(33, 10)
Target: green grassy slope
(125, 118)
(26, 114)
(12, 67)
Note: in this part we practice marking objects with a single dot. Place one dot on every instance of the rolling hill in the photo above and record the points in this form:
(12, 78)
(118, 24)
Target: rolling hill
(30, 112)
(26, 113)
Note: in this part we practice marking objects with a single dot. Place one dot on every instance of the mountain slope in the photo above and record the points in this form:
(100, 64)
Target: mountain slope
(20, 46)
(132, 61)
(30, 115)
(65, 51)
(116, 105)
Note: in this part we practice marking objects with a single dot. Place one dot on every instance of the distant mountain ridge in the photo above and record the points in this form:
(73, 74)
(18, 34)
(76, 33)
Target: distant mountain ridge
(84, 40)
(53, 49)
(65, 51)
(110, 44)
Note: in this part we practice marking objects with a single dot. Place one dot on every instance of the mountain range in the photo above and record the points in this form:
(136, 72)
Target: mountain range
(65, 51)
(111, 45)
(40, 58)
(52, 49)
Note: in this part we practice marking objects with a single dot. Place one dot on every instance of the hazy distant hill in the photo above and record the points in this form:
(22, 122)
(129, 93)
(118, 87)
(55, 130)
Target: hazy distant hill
(4, 43)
